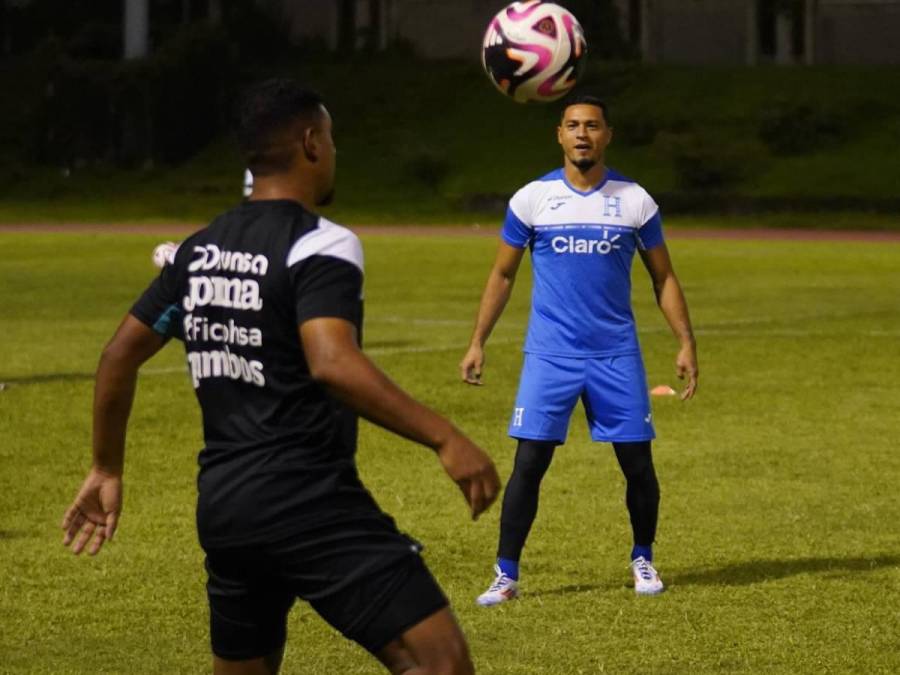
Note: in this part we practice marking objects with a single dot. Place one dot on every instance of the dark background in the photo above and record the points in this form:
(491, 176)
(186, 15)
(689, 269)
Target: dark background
(80, 124)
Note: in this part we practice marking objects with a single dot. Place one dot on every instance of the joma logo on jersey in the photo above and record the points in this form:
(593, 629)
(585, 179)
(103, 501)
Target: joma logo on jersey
(557, 200)
(580, 246)
(222, 292)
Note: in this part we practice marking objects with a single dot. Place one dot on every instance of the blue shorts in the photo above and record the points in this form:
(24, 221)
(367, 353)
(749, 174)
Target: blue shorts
(612, 389)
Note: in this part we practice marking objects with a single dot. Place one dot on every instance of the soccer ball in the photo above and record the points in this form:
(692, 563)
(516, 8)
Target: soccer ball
(164, 254)
(534, 51)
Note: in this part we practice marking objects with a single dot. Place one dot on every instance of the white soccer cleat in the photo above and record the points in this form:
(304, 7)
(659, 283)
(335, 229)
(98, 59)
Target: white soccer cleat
(502, 589)
(646, 579)
(164, 254)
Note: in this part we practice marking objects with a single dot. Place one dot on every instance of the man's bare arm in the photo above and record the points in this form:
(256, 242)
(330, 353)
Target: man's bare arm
(493, 300)
(335, 360)
(95, 511)
(671, 301)
(115, 382)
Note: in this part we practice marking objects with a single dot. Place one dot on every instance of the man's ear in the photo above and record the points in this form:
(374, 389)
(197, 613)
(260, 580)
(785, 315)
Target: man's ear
(310, 144)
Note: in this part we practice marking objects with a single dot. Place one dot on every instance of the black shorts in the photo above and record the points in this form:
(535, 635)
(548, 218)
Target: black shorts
(370, 585)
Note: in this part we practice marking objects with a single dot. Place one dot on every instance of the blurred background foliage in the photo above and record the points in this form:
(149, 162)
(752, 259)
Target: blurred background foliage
(419, 140)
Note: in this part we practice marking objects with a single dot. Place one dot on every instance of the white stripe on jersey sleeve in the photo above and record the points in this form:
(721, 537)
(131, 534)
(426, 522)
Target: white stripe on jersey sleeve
(327, 239)
(648, 208)
(520, 205)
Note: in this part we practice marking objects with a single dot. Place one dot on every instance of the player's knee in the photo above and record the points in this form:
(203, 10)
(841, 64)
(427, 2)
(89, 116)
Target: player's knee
(640, 472)
(437, 646)
(636, 461)
(533, 459)
(646, 481)
(454, 659)
(530, 471)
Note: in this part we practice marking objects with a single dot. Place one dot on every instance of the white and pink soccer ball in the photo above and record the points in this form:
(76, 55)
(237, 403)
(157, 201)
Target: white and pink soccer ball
(534, 51)
(164, 254)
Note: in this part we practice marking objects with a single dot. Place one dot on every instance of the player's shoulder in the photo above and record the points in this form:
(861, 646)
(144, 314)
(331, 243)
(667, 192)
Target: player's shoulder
(542, 183)
(328, 239)
(617, 182)
(635, 201)
(530, 194)
(549, 177)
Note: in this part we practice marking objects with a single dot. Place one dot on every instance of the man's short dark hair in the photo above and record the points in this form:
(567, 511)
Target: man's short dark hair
(583, 98)
(266, 122)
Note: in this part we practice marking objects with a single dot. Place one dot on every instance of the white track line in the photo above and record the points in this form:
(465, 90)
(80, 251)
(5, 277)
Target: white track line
(736, 328)
(375, 351)
(420, 322)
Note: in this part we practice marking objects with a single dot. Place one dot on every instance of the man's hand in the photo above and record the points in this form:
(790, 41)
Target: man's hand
(686, 364)
(472, 470)
(671, 301)
(95, 511)
(471, 365)
(336, 362)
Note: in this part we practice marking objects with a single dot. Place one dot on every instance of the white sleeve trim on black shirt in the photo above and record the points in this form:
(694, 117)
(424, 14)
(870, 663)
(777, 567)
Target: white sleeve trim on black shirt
(328, 239)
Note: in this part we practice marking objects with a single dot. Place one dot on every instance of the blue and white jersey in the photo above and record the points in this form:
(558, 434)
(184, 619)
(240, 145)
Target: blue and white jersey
(582, 245)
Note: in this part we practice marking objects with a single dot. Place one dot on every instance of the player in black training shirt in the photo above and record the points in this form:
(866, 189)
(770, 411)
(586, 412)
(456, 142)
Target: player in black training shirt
(268, 302)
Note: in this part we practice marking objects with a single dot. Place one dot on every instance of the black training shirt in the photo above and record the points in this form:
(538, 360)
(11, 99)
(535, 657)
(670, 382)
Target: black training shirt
(279, 453)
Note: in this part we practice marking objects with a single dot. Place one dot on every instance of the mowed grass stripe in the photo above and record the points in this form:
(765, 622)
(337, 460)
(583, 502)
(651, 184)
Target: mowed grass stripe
(778, 481)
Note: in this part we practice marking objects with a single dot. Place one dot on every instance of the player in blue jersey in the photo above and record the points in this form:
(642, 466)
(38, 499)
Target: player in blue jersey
(582, 224)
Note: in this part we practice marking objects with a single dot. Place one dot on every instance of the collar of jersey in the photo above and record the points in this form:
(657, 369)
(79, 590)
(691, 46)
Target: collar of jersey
(562, 175)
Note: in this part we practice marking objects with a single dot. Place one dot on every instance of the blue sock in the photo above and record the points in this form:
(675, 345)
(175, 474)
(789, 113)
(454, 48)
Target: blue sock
(642, 551)
(509, 567)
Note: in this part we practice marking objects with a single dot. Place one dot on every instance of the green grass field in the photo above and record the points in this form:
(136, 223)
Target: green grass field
(778, 536)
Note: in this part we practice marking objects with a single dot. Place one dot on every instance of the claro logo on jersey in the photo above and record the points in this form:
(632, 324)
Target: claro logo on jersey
(219, 290)
(581, 246)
